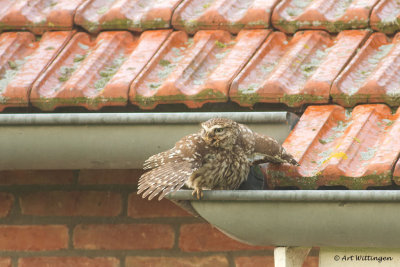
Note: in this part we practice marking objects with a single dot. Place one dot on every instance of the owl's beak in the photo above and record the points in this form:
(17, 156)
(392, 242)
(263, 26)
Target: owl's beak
(208, 139)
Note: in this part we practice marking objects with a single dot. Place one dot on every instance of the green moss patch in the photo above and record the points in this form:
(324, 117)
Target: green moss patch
(108, 72)
(337, 26)
(363, 182)
(280, 178)
(203, 96)
(66, 71)
(49, 104)
(192, 26)
(13, 101)
(392, 100)
(350, 101)
(298, 100)
(13, 67)
(247, 99)
(388, 26)
(126, 24)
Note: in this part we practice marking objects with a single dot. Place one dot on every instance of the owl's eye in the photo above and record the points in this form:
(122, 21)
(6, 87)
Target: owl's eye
(219, 130)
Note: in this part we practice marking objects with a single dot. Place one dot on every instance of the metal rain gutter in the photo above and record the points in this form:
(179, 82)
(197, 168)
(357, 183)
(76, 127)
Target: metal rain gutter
(108, 140)
(324, 218)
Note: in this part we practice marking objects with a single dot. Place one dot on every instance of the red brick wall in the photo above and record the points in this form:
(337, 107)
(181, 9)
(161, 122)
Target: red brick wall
(95, 218)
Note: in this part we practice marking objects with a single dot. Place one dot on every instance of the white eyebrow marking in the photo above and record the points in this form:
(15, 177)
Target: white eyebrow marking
(205, 127)
(215, 127)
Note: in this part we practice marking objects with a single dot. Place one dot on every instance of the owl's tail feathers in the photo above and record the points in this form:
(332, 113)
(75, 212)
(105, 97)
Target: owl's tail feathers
(165, 179)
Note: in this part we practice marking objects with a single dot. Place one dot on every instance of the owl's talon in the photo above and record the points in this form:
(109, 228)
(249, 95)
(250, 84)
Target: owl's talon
(198, 193)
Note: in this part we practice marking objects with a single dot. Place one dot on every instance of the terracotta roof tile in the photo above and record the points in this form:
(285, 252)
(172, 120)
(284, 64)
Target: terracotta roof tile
(332, 15)
(38, 16)
(95, 73)
(195, 70)
(372, 75)
(396, 173)
(136, 15)
(231, 15)
(22, 59)
(385, 16)
(297, 71)
(336, 147)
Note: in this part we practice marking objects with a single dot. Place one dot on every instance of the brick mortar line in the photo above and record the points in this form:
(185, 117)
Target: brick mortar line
(121, 254)
(231, 259)
(15, 210)
(71, 237)
(125, 204)
(14, 261)
(67, 187)
(251, 253)
(76, 177)
(75, 220)
(177, 234)
(122, 261)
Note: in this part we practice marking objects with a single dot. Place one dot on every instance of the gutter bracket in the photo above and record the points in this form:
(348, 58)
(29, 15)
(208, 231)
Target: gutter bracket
(290, 256)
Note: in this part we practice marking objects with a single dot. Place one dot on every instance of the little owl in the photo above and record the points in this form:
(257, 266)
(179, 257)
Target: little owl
(217, 157)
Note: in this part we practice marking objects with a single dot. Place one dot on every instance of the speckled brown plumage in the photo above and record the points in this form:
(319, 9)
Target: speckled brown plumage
(217, 157)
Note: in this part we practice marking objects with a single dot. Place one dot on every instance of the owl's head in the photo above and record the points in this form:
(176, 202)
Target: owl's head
(220, 132)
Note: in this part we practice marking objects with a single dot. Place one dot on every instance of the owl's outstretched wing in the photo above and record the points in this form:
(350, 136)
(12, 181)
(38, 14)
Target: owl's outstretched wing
(171, 169)
(165, 179)
(158, 160)
(267, 149)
